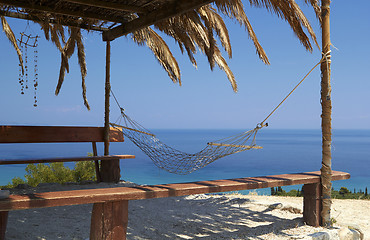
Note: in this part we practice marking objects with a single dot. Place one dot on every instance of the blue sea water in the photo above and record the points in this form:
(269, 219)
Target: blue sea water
(284, 151)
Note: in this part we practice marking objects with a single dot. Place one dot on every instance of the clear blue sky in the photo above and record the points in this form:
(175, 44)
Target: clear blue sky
(206, 99)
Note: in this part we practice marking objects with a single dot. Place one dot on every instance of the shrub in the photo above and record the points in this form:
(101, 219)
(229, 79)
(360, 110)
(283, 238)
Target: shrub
(56, 173)
(15, 182)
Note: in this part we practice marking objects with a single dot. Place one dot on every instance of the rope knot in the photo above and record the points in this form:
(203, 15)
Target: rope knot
(261, 125)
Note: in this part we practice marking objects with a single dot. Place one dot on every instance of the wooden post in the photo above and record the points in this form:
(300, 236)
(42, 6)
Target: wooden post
(326, 173)
(97, 167)
(312, 204)
(110, 171)
(3, 222)
(109, 221)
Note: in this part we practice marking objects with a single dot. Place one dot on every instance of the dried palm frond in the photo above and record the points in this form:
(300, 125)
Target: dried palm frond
(316, 7)
(304, 21)
(66, 53)
(54, 33)
(161, 51)
(195, 29)
(221, 62)
(45, 26)
(290, 12)
(209, 14)
(9, 33)
(234, 9)
(82, 63)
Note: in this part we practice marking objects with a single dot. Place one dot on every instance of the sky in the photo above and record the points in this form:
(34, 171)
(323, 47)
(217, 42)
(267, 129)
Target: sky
(205, 100)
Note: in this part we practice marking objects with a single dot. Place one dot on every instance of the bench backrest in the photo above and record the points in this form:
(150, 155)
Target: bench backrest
(55, 134)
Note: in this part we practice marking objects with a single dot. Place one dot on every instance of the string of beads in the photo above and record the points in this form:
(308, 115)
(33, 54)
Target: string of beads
(25, 42)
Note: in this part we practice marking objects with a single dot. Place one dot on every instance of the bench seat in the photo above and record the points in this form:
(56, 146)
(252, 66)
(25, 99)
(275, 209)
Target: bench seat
(109, 216)
(62, 198)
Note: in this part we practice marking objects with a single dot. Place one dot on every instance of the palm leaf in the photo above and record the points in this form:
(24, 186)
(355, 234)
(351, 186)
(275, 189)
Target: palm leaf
(66, 53)
(82, 63)
(9, 33)
(161, 51)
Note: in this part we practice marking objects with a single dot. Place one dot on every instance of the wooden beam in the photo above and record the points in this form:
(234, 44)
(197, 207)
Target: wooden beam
(109, 5)
(312, 204)
(168, 11)
(75, 197)
(69, 159)
(3, 223)
(109, 220)
(53, 21)
(55, 134)
(42, 8)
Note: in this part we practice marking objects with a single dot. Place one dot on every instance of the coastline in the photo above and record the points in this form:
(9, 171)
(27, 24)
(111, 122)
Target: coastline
(222, 216)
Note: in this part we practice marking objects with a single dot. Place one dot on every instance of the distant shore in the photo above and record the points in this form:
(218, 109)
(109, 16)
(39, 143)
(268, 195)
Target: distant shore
(223, 216)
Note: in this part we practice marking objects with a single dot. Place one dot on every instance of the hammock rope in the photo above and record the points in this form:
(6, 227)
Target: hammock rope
(175, 161)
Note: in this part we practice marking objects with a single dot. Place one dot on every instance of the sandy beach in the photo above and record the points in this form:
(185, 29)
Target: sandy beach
(223, 216)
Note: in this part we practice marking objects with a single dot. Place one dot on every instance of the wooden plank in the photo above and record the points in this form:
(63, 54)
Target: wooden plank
(109, 220)
(96, 227)
(97, 167)
(70, 159)
(52, 199)
(312, 204)
(3, 223)
(55, 134)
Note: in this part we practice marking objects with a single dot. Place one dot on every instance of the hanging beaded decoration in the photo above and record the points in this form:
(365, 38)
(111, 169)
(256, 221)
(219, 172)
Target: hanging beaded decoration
(25, 42)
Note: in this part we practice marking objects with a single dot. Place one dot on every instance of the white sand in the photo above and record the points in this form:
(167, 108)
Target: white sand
(227, 216)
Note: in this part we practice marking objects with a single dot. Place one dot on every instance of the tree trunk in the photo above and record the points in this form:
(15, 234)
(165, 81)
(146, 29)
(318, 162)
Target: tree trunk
(110, 170)
(326, 115)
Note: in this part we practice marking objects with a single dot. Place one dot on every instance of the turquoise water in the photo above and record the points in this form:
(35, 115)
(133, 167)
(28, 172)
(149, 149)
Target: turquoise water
(284, 151)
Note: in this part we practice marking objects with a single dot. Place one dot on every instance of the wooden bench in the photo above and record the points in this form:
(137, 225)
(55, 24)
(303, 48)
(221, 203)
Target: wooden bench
(110, 210)
(60, 134)
(57, 134)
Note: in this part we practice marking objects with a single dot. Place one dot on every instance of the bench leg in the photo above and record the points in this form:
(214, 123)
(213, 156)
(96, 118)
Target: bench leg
(109, 221)
(3, 222)
(312, 204)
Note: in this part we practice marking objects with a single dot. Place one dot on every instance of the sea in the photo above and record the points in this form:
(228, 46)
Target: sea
(284, 151)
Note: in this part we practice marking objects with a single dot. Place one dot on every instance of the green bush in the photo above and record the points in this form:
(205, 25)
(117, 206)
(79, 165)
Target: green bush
(84, 171)
(343, 193)
(15, 182)
(56, 173)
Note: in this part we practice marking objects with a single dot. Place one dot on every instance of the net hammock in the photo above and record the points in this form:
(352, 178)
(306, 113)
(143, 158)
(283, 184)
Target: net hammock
(175, 161)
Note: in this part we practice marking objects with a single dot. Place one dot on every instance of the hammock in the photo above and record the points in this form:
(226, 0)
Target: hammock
(179, 162)
(175, 161)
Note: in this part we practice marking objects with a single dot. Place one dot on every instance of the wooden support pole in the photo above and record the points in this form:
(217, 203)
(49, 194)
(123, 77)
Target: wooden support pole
(312, 204)
(110, 171)
(107, 98)
(326, 172)
(97, 167)
(3, 223)
(109, 221)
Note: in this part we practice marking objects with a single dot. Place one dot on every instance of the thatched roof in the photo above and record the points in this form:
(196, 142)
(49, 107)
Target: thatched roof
(113, 17)
(193, 24)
